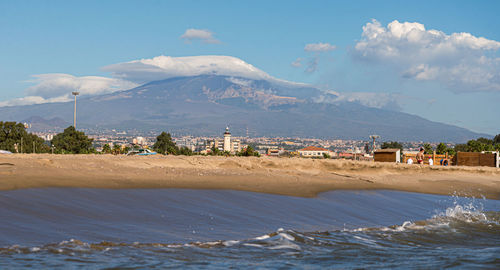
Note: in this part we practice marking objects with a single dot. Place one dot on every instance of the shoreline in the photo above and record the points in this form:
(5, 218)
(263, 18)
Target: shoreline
(284, 176)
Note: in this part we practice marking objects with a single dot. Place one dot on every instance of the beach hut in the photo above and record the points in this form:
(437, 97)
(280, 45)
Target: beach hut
(387, 155)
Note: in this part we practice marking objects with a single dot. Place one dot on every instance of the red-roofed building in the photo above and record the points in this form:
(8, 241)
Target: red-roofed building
(313, 151)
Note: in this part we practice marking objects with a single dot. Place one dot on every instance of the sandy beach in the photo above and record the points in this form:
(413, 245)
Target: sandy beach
(286, 176)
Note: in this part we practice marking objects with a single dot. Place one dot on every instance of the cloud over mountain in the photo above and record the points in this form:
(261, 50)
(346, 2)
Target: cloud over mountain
(164, 67)
(370, 99)
(57, 87)
(460, 61)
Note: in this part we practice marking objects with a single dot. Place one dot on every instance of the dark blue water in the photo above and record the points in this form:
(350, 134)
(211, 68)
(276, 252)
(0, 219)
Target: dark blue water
(97, 229)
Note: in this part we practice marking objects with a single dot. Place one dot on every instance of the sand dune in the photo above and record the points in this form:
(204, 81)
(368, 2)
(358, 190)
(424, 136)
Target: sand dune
(287, 176)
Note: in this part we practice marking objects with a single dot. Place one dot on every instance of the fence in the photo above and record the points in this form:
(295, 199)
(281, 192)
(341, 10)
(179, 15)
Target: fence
(477, 159)
(435, 158)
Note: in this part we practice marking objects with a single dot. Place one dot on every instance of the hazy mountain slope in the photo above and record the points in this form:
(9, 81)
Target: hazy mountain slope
(204, 105)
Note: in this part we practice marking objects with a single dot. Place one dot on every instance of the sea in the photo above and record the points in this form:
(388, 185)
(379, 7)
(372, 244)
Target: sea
(75, 228)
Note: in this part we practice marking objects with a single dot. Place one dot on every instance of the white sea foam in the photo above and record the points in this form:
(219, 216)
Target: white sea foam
(287, 236)
(230, 243)
(287, 245)
(471, 212)
(263, 237)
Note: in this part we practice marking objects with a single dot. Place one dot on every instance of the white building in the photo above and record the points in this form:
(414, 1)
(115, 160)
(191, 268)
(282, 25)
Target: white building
(227, 144)
(313, 151)
(139, 141)
(227, 140)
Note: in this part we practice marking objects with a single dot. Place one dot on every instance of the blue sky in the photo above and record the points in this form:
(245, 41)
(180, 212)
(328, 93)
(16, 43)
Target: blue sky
(459, 83)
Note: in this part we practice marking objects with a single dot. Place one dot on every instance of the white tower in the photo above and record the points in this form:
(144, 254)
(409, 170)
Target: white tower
(227, 140)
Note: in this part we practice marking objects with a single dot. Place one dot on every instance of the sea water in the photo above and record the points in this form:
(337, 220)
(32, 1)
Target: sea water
(175, 228)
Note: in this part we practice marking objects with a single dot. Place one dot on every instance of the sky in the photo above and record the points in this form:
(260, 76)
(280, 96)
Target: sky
(436, 59)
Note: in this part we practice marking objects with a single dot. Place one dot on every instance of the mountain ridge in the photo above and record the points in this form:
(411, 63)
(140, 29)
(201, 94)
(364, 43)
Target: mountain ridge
(205, 104)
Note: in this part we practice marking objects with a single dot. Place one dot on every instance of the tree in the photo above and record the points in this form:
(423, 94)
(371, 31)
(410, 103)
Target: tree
(485, 141)
(367, 148)
(214, 151)
(106, 149)
(441, 149)
(461, 148)
(14, 136)
(71, 141)
(117, 149)
(326, 156)
(164, 144)
(428, 148)
(479, 146)
(249, 152)
(185, 151)
(496, 140)
(394, 145)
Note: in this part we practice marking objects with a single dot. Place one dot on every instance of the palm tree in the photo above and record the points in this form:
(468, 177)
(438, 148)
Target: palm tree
(117, 149)
(106, 149)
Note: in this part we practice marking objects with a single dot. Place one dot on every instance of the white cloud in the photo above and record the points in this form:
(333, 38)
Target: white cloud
(199, 34)
(58, 84)
(297, 62)
(164, 67)
(57, 87)
(371, 99)
(312, 65)
(29, 100)
(319, 47)
(460, 61)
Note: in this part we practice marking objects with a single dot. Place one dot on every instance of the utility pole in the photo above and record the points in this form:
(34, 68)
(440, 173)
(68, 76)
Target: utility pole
(374, 137)
(75, 93)
(21, 145)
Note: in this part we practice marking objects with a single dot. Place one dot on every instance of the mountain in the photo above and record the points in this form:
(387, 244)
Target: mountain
(39, 123)
(205, 104)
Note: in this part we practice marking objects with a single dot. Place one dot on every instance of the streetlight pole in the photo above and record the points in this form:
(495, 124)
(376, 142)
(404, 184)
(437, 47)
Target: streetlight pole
(374, 137)
(75, 93)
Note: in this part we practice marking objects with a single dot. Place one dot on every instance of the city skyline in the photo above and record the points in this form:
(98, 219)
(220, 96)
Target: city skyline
(446, 68)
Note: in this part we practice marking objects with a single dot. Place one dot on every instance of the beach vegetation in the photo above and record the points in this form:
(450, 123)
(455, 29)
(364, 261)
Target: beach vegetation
(72, 141)
(248, 152)
(214, 151)
(185, 151)
(15, 138)
(106, 149)
(117, 149)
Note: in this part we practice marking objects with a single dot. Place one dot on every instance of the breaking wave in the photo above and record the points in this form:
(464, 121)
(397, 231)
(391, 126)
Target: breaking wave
(463, 234)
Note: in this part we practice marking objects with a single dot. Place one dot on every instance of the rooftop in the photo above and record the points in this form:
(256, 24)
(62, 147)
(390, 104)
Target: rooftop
(313, 148)
(388, 150)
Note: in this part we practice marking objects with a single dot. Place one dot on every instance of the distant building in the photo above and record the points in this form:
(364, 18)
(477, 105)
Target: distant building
(226, 144)
(275, 151)
(139, 141)
(313, 151)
